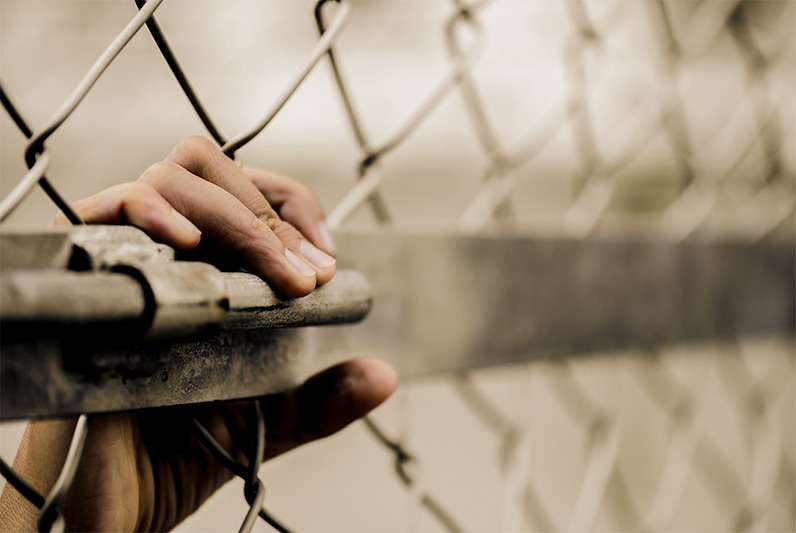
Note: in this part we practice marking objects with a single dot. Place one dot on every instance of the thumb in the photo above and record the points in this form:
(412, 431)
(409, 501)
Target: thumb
(326, 403)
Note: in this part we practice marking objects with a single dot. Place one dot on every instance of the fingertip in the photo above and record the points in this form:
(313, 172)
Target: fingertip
(362, 385)
(161, 221)
(182, 240)
(332, 399)
(302, 280)
(187, 235)
(298, 264)
(380, 378)
(324, 264)
(310, 224)
(323, 238)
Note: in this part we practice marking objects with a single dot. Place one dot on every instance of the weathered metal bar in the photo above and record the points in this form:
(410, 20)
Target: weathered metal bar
(136, 329)
(62, 296)
(138, 280)
(252, 304)
(448, 302)
(442, 302)
(93, 300)
(48, 378)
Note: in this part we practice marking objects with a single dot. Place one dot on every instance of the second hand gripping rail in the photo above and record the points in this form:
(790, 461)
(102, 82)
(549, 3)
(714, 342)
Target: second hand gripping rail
(101, 318)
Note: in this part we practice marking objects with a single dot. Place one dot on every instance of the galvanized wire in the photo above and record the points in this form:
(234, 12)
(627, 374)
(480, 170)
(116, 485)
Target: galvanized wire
(370, 180)
(50, 515)
(254, 489)
(402, 461)
(586, 211)
(21, 485)
(321, 48)
(683, 408)
(754, 397)
(25, 186)
(593, 188)
(35, 147)
(182, 78)
(28, 181)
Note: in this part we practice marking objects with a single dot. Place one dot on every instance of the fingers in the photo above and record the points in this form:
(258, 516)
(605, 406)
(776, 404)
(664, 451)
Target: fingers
(223, 218)
(202, 158)
(326, 403)
(140, 205)
(199, 190)
(296, 204)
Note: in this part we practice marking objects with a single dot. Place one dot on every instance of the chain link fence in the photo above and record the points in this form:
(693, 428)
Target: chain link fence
(577, 121)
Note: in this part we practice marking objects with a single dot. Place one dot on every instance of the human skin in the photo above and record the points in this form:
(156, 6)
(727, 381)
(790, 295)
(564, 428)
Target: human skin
(146, 470)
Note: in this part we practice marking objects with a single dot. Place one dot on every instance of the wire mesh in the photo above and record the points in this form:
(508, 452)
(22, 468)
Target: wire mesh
(577, 119)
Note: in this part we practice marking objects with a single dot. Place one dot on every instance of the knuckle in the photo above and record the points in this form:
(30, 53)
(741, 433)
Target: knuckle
(137, 188)
(241, 231)
(158, 173)
(251, 225)
(274, 223)
(283, 230)
(246, 237)
(194, 151)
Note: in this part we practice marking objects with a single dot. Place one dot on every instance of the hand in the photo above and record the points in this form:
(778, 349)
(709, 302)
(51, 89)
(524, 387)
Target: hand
(198, 191)
(147, 470)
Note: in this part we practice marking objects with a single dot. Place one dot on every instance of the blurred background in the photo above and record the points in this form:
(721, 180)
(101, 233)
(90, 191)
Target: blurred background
(513, 121)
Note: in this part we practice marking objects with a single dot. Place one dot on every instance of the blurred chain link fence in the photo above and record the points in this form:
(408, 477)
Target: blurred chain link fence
(650, 121)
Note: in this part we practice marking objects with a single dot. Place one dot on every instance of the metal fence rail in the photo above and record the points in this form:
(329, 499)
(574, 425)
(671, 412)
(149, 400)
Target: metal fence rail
(633, 206)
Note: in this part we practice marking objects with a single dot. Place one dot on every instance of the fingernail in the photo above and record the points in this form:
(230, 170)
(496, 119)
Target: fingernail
(325, 237)
(315, 256)
(184, 222)
(301, 267)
